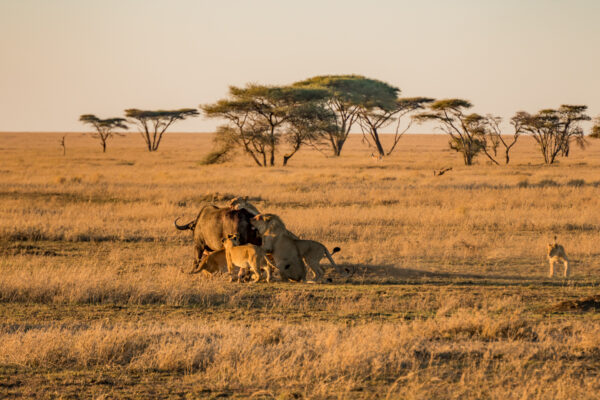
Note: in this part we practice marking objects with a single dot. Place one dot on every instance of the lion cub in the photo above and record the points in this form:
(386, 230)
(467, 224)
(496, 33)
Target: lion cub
(211, 263)
(247, 256)
(556, 253)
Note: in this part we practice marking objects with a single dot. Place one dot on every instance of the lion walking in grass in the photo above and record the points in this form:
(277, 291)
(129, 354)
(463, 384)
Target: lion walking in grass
(556, 253)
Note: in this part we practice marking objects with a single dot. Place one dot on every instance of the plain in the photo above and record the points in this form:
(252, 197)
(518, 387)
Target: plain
(450, 298)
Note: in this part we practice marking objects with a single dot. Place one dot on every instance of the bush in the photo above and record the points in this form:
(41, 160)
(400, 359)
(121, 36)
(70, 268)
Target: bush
(547, 183)
(576, 182)
(523, 184)
(217, 156)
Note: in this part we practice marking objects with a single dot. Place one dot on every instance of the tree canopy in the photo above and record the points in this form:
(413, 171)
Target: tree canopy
(257, 115)
(378, 112)
(347, 96)
(466, 131)
(105, 128)
(555, 129)
(153, 124)
(494, 138)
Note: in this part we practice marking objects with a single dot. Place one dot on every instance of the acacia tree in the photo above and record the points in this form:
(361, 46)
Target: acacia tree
(494, 138)
(379, 109)
(258, 115)
(153, 124)
(105, 128)
(238, 132)
(555, 130)
(310, 124)
(344, 93)
(467, 131)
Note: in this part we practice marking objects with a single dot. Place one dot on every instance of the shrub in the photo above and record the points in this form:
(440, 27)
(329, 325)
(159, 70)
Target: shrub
(547, 183)
(523, 184)
(576, 182)
(217, 156)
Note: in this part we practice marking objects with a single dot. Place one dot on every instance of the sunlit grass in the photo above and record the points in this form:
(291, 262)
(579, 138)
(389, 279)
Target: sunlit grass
(450, 296)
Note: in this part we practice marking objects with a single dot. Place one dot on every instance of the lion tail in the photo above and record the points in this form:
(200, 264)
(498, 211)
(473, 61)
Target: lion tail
(346, 271)
(328, 254)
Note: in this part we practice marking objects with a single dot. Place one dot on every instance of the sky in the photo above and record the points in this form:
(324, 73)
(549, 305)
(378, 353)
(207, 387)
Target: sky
(63, 58)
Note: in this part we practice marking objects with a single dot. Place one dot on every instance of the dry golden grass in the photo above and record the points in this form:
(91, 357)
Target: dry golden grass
(450, 298)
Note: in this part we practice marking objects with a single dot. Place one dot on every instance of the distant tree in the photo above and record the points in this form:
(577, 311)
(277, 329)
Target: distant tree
(596, 129)
(222, 149)
(375, 114)
(309, 124)
(355, 98)
(258, 115)
(238, 132)
(555, 130)
(467, 131)
(344, 94)
(153, 124)
(105, 128)
(494, 138)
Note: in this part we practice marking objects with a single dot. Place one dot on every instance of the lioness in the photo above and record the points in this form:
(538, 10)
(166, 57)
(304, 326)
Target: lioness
(280, 241)
(238, 203)
(247, 256)
(211, 263)
(557, 253)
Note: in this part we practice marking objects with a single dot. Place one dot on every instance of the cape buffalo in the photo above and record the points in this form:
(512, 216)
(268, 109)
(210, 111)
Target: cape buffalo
(213, 224)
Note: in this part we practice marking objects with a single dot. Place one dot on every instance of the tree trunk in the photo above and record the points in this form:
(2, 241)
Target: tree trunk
(375, 136)
(254, 157)
(338, 144)
(294, 150)
(507, 157)
(467, 157)
(104, 146)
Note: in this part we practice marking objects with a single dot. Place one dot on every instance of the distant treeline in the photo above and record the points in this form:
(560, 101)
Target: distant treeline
(320, 112)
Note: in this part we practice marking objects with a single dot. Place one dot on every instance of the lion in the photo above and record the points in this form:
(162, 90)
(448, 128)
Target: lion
(247, 256)
(312, 252)
(556, 253)
(280, 241)
(238, 203)
(211, 263)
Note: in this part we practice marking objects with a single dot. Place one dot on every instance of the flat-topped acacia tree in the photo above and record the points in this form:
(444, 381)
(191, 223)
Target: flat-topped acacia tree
(494, 137)
(467, 131)
(375, 115)
(310, 124)
(259, 115)
(372, 103)
(343, 100)
(153, 124)
(105, 128)
(555, 129)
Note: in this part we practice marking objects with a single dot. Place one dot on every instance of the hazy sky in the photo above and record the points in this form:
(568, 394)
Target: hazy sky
(63, 58)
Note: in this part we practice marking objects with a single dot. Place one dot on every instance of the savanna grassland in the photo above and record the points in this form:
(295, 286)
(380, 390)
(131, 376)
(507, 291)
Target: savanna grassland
(450, 298)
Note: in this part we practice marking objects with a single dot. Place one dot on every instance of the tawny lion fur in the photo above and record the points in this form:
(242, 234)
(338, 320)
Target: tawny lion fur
(556, 253)
(281, 242)
(211, 263)
(247, 256)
